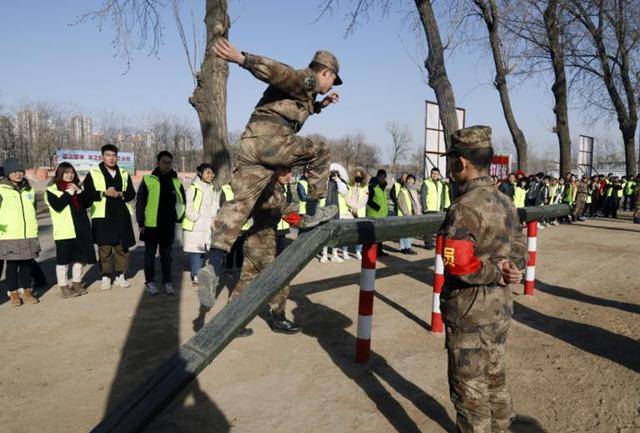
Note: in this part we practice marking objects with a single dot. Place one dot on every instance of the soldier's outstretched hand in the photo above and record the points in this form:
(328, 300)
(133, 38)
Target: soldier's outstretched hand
(227, 51)
(510, 272)
(331, 98)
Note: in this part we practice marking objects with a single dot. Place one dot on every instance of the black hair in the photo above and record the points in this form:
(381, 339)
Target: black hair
(108, 148)
(202, 167)
(63, 167)
(480, 158)
(435, 169)
(381, 172)
(411, 176)
(164, 153)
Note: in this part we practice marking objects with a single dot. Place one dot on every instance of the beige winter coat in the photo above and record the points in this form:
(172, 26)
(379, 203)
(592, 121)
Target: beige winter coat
(198, 240)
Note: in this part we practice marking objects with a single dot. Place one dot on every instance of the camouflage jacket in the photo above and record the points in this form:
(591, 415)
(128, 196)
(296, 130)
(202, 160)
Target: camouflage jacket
(291, 93)
(481, 228)
(583, 188)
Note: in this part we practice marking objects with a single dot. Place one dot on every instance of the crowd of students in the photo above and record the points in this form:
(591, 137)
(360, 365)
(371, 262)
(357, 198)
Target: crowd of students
(99, 211)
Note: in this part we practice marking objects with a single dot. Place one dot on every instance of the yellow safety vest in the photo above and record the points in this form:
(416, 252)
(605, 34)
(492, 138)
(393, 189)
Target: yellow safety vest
(380, 198)
(152, 183)
(99, 208)
(407, 198)
(434, 195)
(519, 196)
(198, 194)
(62, 221)
(17, 214)
(228, 196)
(283, 225)
(303, 204)
(447, 199)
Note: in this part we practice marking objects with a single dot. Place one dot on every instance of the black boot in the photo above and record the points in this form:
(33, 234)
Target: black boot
(279, 323)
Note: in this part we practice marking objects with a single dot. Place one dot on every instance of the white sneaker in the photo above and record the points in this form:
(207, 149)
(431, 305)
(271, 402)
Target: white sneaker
(345, 254)
(151, 288)
(358, 255)
(168, 288)
(324, 258)
(336, 258)
(122, 281)
(105, 283)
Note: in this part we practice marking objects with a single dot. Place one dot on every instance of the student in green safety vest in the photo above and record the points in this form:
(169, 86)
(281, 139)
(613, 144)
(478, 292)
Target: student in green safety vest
(357, 200)
(614, 195)
(111, 189)
(520, 192)
(68, 205)
(19, 243)
(629, 193)
(159, 206)
(203, 202)
(432, 193)
(408, 204)
(377, 203)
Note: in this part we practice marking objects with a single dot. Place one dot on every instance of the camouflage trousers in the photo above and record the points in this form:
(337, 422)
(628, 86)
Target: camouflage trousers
(578, 207)
(259, 153)
(476, 362)
(259, 252)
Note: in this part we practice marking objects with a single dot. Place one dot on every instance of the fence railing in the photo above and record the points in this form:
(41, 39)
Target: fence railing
(146, 401)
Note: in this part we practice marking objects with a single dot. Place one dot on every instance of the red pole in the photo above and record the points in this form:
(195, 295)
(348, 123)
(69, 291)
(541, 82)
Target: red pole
(365, 304)
(532, 246)
(438, 282)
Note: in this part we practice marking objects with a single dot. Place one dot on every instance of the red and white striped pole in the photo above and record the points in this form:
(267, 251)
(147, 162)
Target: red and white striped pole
(532, 246)
(365, 303)
(438, 282)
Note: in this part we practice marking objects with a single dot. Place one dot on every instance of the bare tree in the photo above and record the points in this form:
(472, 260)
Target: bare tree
(604, 49)
(491, 12)
(140, 20)
(542, 25)
(438, 79)
(400, 141)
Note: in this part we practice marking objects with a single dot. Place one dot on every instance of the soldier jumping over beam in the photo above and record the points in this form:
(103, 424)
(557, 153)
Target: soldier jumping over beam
(270, 141)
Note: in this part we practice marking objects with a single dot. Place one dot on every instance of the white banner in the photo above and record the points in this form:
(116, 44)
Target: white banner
(84, 160)
(434, 144)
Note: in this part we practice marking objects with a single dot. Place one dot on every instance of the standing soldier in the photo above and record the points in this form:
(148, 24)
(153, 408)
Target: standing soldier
(484, 251)
(270, 141)
(582, 193)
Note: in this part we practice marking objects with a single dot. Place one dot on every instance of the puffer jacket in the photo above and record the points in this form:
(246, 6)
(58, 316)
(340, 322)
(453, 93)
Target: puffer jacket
(18, 249)
(198, 240)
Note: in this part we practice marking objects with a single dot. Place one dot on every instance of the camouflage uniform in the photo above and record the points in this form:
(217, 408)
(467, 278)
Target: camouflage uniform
(260, 243)
(270, 141)
(480, 229)
(581, 199)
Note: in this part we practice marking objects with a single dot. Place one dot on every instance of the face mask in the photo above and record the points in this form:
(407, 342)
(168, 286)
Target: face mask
(358, 179)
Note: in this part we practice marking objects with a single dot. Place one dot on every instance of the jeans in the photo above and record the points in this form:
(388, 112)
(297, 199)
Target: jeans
(197, 261)
(150, 248)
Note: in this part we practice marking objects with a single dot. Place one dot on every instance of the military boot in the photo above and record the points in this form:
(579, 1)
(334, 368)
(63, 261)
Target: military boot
(15, 298)
(209, 278)
(322, 214)
(27, 296)
(279, 323)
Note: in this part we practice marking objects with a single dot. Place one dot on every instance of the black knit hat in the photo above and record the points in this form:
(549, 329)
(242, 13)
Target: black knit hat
(11, 165)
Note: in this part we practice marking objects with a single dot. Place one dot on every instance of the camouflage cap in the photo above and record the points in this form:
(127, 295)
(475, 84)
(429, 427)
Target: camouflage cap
(473, 137)
(325, 58)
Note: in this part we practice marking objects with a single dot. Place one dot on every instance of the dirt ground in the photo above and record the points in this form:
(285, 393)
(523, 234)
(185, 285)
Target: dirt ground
(573, 350)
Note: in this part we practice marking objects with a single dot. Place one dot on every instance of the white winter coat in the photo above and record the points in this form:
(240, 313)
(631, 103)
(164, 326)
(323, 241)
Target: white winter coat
(199, 239)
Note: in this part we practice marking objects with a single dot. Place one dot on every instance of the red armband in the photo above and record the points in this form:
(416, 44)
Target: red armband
(293, 218)
(459, 257)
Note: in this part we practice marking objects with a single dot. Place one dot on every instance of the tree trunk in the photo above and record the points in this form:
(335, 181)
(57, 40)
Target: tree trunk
(492, 20)
(629, 137)
(210, 95)
(438, 79)
(559, 88)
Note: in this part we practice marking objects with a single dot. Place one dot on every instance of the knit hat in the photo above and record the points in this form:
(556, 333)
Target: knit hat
(11, 165)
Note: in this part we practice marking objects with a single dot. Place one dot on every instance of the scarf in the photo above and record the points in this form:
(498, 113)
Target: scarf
(75, 200)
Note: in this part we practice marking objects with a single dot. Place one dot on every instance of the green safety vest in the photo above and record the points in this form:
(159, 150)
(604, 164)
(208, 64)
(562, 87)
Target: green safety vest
(629, 187)
(519, 196)
(447, 199)
(17, 214)
(303, 204)
(568, 194)
(198, 194)
(380, 198)
(396, 189)
(99, 208)
(407, 198)
(343, 209)
(228, 196)
(152, 183)
(619, 193)
(434, 195)
(62, 221)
